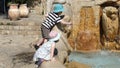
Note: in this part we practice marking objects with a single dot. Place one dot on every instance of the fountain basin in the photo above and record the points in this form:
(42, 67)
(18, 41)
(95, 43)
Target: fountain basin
(97, 59)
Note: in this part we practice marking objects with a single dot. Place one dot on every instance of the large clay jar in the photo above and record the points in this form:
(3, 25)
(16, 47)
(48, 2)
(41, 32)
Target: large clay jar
(60, 1)
(13, 12)
(24, 11)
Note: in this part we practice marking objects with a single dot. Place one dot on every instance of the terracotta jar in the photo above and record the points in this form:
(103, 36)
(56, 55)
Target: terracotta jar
(13, 12)
(24, 11)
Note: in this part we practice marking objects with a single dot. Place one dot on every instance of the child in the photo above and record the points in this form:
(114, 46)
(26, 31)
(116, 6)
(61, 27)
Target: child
(52, 19)
(46, 51)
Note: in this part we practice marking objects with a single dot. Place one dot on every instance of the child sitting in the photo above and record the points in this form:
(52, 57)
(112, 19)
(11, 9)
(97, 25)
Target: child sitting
(46, 51)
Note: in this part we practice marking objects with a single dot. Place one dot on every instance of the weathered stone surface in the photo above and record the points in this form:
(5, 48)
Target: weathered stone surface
(62, 56)
(110, 25)
(103, 1)
(85, 28)
(52, 64)
(110, 22)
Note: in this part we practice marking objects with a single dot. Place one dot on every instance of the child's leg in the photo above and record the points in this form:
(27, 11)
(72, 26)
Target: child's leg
(41, 41)
(39, 62)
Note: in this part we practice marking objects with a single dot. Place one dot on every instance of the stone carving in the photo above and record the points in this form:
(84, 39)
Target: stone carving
(110, 24)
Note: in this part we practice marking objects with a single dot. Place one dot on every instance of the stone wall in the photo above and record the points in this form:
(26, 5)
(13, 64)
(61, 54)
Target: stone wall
(86, 19)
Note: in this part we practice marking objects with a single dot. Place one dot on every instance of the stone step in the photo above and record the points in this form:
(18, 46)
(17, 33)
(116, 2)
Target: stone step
(19, 32)
(20, 23)
(20, 27)
(19, 37)
(24, 26)
(33, 19)
(87, 3)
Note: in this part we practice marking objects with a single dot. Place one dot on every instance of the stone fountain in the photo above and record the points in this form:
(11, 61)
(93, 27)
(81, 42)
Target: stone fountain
(95, 32)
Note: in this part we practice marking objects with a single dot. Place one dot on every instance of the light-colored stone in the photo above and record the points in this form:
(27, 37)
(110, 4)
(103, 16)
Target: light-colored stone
(52, 64)
(99, 2)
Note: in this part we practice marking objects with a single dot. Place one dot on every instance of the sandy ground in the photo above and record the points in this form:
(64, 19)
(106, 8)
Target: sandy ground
(16, 52)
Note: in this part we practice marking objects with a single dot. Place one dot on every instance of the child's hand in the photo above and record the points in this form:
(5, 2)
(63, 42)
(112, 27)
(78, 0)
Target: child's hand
(46, 15)
(69, 23)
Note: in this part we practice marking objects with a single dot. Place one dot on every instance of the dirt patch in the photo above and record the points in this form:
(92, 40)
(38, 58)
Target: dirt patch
(23, 58)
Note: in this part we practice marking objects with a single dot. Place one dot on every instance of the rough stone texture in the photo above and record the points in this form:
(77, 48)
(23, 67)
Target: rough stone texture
(82, 15)
(85, 27)
(54, 64)
(103, 1)
(110, 24)
(110, 21)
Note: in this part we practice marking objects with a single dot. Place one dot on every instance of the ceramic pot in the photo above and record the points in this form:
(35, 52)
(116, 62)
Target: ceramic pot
(24, 11)
(13, 12)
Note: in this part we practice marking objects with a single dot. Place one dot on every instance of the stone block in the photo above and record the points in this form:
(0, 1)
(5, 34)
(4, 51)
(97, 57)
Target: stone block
(16, 27)
(99, 2)
(52, 64)
(21, 27)
(1, 27)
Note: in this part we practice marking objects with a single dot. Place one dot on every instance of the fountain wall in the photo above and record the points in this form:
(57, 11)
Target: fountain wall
(91, 30)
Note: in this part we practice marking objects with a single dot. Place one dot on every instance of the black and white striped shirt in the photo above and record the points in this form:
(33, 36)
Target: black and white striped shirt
(51, 20)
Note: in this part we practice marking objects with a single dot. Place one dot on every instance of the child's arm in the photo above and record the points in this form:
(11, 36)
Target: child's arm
(64, 22)
(52, 51)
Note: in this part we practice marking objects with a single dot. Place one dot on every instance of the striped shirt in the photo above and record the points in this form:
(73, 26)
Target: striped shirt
(51, 20)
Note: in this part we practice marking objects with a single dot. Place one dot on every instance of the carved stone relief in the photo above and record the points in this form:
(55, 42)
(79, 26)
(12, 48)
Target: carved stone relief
(110, 26)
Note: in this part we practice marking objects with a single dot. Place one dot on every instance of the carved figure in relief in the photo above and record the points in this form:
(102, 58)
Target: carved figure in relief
(110, 23)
